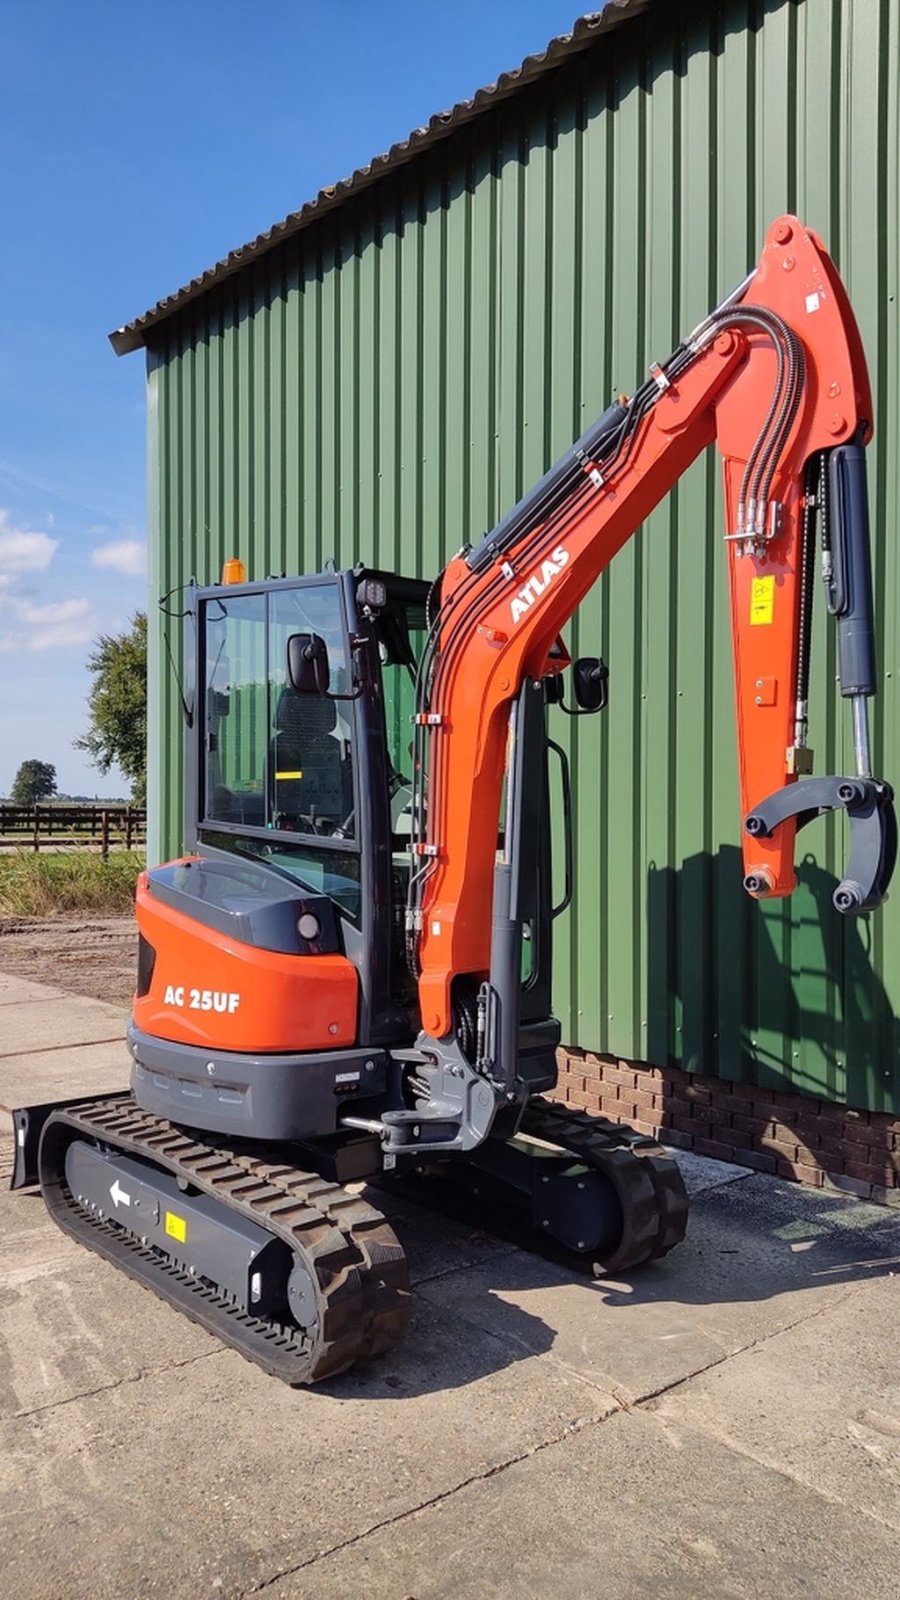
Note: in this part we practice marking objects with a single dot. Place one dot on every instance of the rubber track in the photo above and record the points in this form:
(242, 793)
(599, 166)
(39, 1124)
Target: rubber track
(348, 1246)
(646, 1178)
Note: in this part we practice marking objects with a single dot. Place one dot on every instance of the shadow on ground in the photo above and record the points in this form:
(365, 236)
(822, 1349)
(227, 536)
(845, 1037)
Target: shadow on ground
(760, 1255)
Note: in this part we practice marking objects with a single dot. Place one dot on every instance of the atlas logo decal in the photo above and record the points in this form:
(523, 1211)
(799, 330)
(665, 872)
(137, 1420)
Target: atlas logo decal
(537, 583)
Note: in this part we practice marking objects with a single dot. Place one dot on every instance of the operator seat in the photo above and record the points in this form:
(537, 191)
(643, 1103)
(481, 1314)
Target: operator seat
(309, 766)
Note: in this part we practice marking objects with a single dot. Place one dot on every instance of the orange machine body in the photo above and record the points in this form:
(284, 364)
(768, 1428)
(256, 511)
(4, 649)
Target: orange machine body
(215, 992)
(502, 620)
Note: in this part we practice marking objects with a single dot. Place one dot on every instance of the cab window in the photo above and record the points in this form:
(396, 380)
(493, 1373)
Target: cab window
(273, 758)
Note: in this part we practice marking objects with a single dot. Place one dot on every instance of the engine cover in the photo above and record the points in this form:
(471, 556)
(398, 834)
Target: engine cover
(204, 983)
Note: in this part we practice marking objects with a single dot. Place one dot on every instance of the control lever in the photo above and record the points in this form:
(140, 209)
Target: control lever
(869, 804)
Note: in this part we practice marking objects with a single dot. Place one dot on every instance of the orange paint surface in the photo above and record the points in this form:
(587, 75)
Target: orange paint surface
(513, 613)
(284, 1002)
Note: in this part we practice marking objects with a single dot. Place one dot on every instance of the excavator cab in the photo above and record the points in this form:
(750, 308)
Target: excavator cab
(298, 753)
(275, 991)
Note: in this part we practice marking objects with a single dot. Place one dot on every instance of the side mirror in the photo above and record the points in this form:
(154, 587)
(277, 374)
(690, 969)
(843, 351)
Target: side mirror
(591, 683)
(307, 663)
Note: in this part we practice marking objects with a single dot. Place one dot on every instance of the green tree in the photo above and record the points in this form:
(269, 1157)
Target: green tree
(34, 781)
(118, 705)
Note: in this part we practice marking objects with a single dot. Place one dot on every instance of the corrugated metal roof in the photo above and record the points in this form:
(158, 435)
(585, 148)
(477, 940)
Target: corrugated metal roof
(584, 31)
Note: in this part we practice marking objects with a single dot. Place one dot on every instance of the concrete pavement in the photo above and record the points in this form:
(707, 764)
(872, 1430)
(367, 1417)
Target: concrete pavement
(54, 1043)
(726, 1423)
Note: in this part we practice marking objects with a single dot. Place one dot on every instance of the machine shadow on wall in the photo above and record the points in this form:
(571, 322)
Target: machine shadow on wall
(783, 995)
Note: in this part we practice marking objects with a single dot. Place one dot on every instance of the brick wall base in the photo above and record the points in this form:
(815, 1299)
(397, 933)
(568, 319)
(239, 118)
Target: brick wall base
(793, 1136)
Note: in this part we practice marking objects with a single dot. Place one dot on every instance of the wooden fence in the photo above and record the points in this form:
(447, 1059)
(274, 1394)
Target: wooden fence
(96, 827)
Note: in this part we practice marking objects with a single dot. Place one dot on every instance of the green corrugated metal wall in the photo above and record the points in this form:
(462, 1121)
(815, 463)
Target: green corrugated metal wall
(387, 383)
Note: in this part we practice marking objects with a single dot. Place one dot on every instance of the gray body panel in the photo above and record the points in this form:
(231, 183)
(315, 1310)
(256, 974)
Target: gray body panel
(253, 1097)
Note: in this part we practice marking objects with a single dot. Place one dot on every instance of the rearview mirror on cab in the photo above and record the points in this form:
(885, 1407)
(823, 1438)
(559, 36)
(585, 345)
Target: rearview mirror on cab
(591, 683)
(307, 663)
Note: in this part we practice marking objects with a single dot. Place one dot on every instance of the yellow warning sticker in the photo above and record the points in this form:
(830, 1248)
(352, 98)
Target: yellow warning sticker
(762, 600)
(176, 1227)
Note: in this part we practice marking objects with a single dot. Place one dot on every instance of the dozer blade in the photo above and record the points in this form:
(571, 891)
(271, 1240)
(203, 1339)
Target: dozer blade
(290, 1270)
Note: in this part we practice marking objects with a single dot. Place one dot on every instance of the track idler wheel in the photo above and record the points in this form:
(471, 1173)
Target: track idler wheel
(651, 1196)
(639, 1213)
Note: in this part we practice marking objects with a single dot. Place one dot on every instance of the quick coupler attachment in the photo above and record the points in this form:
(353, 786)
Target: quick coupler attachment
(869, 804)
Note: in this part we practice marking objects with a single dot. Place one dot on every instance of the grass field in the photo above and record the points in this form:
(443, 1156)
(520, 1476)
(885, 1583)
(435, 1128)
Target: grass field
(54, 883)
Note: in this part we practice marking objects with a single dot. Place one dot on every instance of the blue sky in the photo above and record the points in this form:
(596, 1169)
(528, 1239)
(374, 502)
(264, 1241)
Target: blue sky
(139, 142)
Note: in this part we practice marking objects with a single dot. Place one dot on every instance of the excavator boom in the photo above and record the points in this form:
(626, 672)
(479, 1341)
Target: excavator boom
(776, 378)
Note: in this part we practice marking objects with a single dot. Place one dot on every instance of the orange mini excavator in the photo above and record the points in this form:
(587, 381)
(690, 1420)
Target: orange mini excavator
(347, 975)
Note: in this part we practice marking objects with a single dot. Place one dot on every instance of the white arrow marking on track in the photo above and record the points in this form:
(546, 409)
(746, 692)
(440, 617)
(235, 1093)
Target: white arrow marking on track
(117, 1193)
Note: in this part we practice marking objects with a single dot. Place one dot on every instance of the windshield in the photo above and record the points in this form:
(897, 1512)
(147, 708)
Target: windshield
(276, 759)
(278, 768)
(311, 761)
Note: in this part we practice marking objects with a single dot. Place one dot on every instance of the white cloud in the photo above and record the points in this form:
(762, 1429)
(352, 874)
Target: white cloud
(62, 634)
(55, 625)
(54, 611)
(128, 556)
(23, 551)
(58, 623)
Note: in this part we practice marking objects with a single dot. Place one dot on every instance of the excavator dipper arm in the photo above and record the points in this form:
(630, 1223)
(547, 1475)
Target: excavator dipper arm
(776, 378)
